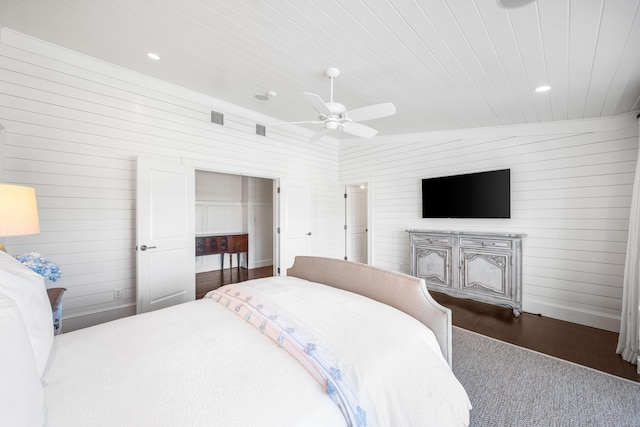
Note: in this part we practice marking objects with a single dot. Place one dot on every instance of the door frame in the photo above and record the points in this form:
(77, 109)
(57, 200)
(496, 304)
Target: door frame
(368, 181)
(201, 166)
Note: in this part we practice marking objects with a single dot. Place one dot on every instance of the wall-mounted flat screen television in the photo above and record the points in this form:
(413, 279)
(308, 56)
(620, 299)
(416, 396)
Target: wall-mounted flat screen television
(473, 195)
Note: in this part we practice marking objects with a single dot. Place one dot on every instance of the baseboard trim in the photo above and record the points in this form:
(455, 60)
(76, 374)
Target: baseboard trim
(261, 263)
(571, 314)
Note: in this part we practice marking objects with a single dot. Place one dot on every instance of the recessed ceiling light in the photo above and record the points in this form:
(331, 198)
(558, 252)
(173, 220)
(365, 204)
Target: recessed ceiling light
(270, 94)
(153, 56)
(543, 88)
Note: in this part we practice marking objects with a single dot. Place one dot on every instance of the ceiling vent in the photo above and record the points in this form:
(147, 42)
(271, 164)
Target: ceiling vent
(217, 118)
(261, 130)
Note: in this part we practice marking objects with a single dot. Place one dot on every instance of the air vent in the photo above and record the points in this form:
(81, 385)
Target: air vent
(217, 118)
(261, 130)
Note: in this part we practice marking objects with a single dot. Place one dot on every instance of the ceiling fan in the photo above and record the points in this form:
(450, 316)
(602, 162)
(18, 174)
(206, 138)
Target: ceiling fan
(334, 116)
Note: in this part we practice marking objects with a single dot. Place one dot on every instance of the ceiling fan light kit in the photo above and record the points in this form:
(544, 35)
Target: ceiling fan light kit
(513, 4)
(335, 116)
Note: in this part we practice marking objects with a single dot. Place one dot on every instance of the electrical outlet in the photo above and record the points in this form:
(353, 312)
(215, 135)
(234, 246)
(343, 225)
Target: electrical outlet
(117, 293)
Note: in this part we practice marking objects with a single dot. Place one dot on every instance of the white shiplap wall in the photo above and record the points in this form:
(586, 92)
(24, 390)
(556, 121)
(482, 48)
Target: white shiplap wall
(73, 128)
(571, 194)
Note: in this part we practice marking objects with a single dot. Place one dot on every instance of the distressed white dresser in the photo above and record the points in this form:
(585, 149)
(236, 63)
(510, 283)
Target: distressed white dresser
(486, 267)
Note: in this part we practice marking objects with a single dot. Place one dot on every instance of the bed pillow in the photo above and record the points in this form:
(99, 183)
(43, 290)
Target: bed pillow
(28, 291)
(21, 393)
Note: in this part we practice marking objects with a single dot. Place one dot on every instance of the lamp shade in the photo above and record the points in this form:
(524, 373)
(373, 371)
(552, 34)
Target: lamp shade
(18, 210)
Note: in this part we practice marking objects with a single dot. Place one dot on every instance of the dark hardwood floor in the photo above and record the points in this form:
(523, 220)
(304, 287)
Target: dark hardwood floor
(211, 280)
(591, 347)
(583, 345)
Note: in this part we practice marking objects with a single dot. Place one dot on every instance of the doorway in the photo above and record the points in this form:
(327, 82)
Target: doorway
(251, 206)
(229, 204)
(356, 223)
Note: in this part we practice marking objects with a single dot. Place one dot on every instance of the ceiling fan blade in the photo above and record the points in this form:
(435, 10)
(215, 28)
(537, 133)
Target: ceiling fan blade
(359, 130)
(319, 134)
(306, 122)
(317, 103)
(372, 112)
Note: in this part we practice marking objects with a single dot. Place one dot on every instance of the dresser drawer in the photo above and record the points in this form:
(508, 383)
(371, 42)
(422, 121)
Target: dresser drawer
(199, 246)
(432, 240)
(239, 243)
(211, 245)
(485, 243)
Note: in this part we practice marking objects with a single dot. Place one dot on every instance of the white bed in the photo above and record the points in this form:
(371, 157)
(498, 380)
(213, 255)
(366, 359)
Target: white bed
(221, 361)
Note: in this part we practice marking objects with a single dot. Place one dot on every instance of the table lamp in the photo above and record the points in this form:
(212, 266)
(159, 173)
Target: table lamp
(18, 211)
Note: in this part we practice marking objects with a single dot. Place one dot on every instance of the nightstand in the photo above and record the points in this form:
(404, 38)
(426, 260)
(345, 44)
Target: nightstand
(55, 298)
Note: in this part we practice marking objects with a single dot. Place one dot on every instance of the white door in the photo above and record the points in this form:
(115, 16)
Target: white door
(295, 222)
(165, 234)
(356, 223)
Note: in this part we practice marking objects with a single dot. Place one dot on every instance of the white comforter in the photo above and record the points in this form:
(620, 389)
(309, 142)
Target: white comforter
(200, 364)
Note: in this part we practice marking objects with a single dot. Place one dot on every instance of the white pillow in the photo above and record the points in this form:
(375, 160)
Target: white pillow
(27, 289)
(21, 393)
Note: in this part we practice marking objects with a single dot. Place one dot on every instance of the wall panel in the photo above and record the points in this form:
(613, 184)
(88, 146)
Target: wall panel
(73, 129)
(571, 185)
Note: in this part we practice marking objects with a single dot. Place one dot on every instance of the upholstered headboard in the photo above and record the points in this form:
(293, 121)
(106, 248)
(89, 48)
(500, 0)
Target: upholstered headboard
(401, 291)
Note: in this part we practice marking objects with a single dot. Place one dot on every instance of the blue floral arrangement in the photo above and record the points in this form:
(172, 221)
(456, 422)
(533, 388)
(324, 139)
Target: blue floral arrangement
(35, 262)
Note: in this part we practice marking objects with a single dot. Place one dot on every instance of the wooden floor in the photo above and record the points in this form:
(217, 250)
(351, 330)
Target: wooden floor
(211, 280)
(583, 345)
(595, 348)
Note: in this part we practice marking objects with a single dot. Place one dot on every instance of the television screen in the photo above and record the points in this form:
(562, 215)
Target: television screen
(473, 195)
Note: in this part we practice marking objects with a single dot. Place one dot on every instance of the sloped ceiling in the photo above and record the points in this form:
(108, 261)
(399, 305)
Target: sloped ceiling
(444, 63)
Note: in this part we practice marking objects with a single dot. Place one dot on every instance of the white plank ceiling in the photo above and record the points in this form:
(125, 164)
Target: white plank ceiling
(444, 63)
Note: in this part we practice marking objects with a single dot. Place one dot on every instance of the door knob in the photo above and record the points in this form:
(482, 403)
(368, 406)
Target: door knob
(145, 247)
(309, 234)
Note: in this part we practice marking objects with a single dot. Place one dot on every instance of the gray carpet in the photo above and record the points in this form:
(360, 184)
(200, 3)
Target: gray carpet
(512, 386)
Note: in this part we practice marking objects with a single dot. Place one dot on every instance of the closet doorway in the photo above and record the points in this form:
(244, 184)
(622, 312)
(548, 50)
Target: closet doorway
(234, 204)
